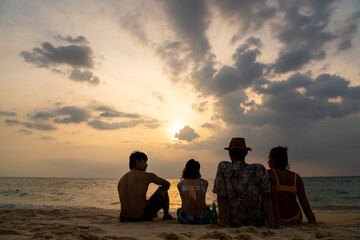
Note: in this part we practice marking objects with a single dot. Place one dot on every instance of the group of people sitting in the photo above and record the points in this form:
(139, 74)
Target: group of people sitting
(247, 194)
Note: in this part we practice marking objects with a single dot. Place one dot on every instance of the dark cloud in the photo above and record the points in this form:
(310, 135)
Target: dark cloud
(109, 112)
(328, 86)
(39, 126)
(6, 113)
(187, 134)
(344, 45)
(292, 60)
(84, 76)
(70, 39)
(303, 33)
(101, 125)
(297, 101)
(191, 20)
(245, 72)
(48, 56)
(11, 121)
(75, 115)
(245, 14)
(77, 56)
(41, 116)
(346, 34)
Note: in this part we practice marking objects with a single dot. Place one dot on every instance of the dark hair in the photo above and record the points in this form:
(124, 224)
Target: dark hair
(280, 158)
(192, 169)
(136, 155)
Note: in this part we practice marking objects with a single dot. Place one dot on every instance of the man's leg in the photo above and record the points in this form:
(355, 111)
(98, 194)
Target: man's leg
(165, 196)
(159, 200)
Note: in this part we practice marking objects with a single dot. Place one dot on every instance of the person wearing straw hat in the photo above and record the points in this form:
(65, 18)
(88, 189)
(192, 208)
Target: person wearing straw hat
(242, 188)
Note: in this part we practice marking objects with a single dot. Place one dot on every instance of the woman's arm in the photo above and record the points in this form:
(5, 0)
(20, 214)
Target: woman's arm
(275, 204)
(303, 200)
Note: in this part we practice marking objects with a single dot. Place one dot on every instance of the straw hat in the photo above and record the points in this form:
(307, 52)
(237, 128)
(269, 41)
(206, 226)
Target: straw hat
(237, 144)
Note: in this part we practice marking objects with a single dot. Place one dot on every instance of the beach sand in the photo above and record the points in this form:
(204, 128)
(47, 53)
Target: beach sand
(95, 224)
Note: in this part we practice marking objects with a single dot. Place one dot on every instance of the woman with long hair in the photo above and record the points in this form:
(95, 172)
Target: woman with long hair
(192, 189)
(285, 187)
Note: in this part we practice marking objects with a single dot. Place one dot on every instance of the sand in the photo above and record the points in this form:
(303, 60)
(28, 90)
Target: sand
(94, 225)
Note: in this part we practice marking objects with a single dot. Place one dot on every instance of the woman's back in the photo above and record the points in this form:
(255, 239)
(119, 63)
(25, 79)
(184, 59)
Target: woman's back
(193, 192)
(285, 183)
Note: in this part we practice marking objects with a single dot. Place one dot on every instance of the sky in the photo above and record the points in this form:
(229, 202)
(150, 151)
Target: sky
(85, 83)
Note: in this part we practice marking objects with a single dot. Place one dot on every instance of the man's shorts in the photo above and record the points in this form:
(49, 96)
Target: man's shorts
(154, 204)
(202, 218)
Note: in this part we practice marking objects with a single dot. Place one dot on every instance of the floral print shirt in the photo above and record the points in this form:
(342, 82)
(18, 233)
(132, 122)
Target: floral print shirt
(242, 184)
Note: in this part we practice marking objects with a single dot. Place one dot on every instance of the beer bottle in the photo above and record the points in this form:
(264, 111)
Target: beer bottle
(213, 214)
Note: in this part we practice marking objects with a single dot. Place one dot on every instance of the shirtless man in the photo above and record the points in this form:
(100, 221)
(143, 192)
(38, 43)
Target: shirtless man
(132, 189)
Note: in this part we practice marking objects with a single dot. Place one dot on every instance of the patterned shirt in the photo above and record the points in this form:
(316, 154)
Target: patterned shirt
(242, 184)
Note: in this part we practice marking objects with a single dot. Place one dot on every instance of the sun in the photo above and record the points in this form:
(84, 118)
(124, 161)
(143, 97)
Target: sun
(175, 128)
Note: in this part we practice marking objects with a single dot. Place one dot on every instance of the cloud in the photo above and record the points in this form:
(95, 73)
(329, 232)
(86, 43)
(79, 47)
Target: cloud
(101, 125)
(48, 55)
(346, 34)
(200, 107)
(187, 134)
(11, 121)
(77, 56)
(85, 76)
(151, 123)
(46, 138)
(70, 39)
(25, 131)
(208, 125)
(75, 115)
(297, 101)
(135, 17)
(191, 20)
(247, 15)
(42, 116)
(159, 96)
(303, 33)
(175, 56)
(109, 112)
(39, 126)
(245, 72)
(6, 113)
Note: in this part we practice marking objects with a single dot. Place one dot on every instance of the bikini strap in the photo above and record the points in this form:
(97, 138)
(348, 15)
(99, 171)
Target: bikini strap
(183, 188)
(295, 180)
(201, 181)
(277, 180)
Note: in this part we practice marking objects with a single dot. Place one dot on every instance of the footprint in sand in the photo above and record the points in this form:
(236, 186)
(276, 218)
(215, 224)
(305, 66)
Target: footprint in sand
(216, 235)
(170, 236)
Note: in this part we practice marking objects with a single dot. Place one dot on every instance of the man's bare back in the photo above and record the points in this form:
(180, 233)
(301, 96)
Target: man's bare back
(132, 189)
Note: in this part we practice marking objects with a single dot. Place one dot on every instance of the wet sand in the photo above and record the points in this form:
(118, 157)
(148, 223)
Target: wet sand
(95, 224)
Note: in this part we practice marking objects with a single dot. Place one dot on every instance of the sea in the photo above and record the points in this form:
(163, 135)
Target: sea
(325, 194)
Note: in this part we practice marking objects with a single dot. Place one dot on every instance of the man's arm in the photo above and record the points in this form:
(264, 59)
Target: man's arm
(222, 204)
(269, 209)
(159, 181)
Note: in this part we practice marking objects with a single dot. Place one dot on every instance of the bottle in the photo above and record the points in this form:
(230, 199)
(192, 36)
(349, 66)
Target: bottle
(213, 219)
